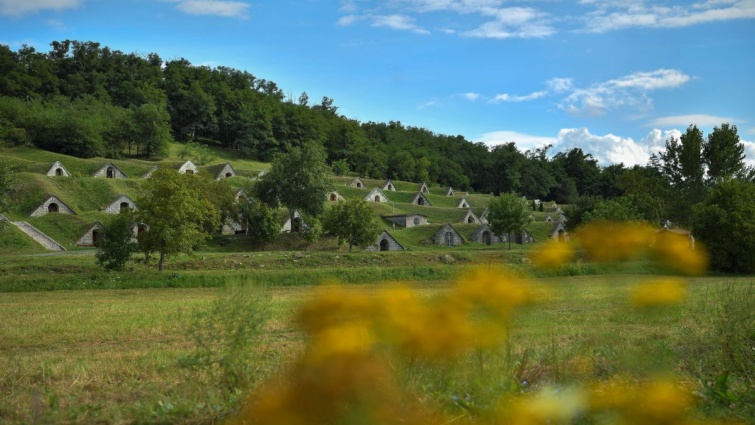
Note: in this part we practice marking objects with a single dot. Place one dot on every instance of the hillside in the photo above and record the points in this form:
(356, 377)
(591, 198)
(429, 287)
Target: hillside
(88, 197)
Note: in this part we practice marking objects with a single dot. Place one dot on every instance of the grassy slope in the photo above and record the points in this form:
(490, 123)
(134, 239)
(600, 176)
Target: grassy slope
(87, 195)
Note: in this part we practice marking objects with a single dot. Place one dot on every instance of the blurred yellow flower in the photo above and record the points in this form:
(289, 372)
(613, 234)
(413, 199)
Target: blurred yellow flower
(680, 252)
(658, 292)
(348, 339)
(495, 290)
(607, 241)
(546, 407)
(552, 255)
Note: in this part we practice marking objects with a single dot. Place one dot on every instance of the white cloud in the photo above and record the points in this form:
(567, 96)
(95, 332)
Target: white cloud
(686, 120)
(18, 8)
(505, 97)
(397, 22)
(629, 90)
(560, 85)
(471, 96)
(607, 149)
(749, 152)
(225, 9)
(523, 141)
(347, 20)
(428, 104)
(616, 15)
(751, 130)
(513, 22)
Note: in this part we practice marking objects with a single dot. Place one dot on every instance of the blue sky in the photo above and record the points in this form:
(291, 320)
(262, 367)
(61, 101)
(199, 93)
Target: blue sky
(614, 77)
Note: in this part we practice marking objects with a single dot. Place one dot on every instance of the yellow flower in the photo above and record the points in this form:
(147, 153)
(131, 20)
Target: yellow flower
(658, 292)
(678, 251)
(655, 403)
(349, 339)
(606, 241)
(549, 406)
(552, 255)
(332, 304)
(494, 290)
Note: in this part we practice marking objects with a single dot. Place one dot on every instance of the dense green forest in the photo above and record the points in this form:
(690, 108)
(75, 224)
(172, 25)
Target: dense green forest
(83, 99)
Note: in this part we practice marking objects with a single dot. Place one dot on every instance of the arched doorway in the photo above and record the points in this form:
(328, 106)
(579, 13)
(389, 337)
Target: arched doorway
(228, 175)
(449, 238)
(110, 173)
(420, 201)
(296, 225)
(332, 197)
(96, 237)
(359, 185)
(384, 245)
(561, 235)
(518, 238)
(52, 208)
(189, 172)
(377, 198)
(58, 172)
(125, 206)
(486, 239)
(470, 220)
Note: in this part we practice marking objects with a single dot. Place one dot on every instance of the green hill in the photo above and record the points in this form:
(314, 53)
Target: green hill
(88, 196)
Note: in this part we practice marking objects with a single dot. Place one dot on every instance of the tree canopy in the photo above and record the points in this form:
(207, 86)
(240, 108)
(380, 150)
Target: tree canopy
(297, 180)
(352, 222)
(180, 210)
(508, 214)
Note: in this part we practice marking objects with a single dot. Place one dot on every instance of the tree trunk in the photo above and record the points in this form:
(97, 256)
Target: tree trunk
(160, 263)
(350, 245)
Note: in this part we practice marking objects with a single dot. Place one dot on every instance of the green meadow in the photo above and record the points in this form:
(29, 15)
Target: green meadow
(120, 355)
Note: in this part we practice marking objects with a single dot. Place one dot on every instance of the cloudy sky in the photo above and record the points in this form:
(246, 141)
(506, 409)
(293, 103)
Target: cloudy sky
(614, 77)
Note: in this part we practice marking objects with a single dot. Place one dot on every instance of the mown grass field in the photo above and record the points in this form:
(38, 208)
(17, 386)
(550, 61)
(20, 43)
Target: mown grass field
(113, 356)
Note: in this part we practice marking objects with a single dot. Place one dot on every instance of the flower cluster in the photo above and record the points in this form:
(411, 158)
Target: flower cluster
(343, 371)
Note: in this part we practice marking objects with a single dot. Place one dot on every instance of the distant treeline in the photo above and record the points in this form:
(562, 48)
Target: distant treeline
(86, 100)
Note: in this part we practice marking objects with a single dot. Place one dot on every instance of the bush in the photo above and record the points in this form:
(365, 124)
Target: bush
(117, 244)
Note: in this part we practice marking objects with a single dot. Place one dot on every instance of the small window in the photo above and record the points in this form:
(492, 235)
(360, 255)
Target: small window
(449, 238)
(416, 221)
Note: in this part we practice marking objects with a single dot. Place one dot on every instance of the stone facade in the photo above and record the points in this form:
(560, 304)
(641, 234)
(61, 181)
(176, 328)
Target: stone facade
(334, 197)
(109, 171)
(123, 202)
(423, 188)
(421, 199)
(298, 224)
(470, 218)
(51, 205)
(358, 183)
(524, 237)
(407, 220)
(389, 186)
(447, 236)
(225, 172)
(385, 242)
(58, 170)
(559, 233)
(463, 203)
(484, 235)
(188, 167)
(450, 191)
(376, 195)
(92, 236)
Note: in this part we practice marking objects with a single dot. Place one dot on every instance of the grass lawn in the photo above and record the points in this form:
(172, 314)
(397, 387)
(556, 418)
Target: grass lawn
(112, 356)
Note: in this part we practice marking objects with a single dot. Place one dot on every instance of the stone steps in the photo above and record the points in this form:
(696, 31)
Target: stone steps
(38, 236)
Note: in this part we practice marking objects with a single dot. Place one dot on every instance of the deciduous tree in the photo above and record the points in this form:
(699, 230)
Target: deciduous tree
(723, 153)
(352, 222)
(297, 180)
(179, 210)
(725, 223)
(116, 245)
(508, 213)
